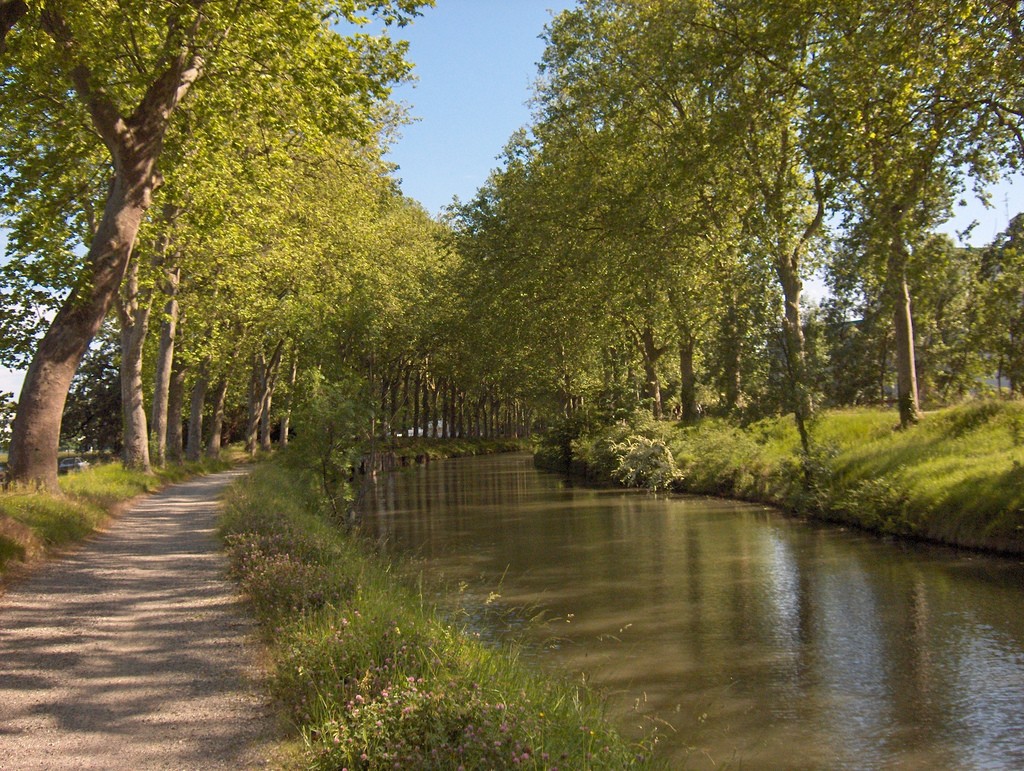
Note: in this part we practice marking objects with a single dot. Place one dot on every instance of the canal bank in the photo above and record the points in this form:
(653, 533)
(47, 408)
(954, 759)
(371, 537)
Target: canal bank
(957, 477)
(739, 636)
(370, 676)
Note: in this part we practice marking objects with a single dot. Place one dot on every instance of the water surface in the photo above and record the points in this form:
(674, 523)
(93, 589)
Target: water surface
(743, 637)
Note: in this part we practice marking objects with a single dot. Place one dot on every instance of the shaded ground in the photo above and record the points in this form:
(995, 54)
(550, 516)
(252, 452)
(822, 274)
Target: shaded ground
(134, 652)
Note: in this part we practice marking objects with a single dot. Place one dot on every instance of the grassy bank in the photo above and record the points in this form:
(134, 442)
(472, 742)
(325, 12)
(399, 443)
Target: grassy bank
(956, 477)
(371, 676)
(33, 523)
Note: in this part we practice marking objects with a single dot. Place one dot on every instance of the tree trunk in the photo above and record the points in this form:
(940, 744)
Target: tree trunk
(175, 406)
(133, 312)
(194, 446)
(265, 423)
(652, 384)
(906, 368)
(416, 404)
(261, 387)
(164, 361)
(793, 333)
(286, 415)
(217, 421)
(255, 403)
(135, 143)
(687, 378)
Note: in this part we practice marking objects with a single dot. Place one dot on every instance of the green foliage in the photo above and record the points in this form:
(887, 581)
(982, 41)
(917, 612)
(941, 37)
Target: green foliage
(92, 412)
(954, 477)
(7, 410)
(372, 677)
(556, 443)
(646, 463)
(331, 432)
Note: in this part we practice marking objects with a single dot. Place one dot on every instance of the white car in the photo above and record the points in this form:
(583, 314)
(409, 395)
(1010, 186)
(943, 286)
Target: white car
(71, 464)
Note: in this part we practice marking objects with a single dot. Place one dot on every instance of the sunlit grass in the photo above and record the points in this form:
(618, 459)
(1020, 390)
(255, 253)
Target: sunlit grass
(372, 677)
(957, 476)
(35, 519)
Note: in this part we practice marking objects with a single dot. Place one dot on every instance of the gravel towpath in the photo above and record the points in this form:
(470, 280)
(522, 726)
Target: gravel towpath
(135, 652)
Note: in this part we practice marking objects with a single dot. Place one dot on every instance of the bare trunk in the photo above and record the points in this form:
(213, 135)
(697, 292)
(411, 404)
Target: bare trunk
(416, 404)
(164, 360)
(261, 388)
(217, 421)
(194, 446)
(687, 378)
(652, 384)
(175, 407)
(906, 368)
(286, 415)
(255, 403)
(133, 312)
(792, 287)
(265, 423)
(36, 430)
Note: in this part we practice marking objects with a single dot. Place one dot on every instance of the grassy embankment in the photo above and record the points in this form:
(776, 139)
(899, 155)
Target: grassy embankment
(34, 523)
(956, 477)
(371, 676)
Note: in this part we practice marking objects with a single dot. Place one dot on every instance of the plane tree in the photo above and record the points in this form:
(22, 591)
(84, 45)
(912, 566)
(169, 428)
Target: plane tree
(126, 68)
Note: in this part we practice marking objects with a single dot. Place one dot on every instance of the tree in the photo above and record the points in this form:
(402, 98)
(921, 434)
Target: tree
(908, 98)
(1001, 274)
(129, 67)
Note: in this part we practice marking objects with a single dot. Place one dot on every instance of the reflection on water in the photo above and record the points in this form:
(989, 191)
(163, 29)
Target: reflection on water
(746, 637)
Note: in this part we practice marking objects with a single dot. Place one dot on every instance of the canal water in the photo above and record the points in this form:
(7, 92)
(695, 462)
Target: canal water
(744, 638)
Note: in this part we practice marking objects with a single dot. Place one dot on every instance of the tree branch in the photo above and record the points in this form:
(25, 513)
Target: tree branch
(11, 12)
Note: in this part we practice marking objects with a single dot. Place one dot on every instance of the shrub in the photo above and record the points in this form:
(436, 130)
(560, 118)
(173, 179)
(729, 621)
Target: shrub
(646, 463)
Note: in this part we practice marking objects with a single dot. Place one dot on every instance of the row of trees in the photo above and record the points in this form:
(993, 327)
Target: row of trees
(220, 163)
(691, 164)
(645, 242)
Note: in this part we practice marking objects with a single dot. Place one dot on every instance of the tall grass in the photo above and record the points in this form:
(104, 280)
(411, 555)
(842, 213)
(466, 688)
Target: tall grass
(31, 522)
(955, 477)
(371, 676)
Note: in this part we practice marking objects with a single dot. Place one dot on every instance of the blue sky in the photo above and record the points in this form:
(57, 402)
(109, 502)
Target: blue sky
(476, 63)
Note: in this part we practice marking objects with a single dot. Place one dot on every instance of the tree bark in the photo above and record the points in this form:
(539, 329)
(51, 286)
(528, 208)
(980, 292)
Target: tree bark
(194, 445)
(217, 421)
(906, 367)
(261, 387)
(286, 415)
(687, 378)
(164, 361)
(416, 403)
(133, 311)
(793, 331)
(175, 407)
(652, 384)
(255, 403)
(268, 398)
(135, 143)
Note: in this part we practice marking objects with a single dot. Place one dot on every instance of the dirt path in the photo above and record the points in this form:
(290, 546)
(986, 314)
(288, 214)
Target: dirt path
(134, 652)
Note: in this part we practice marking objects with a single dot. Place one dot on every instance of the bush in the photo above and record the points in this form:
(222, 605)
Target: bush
(646, 463)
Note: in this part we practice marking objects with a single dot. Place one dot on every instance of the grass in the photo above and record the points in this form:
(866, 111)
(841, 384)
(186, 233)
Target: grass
(33, 523)
(956, 477)
(371, 676)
